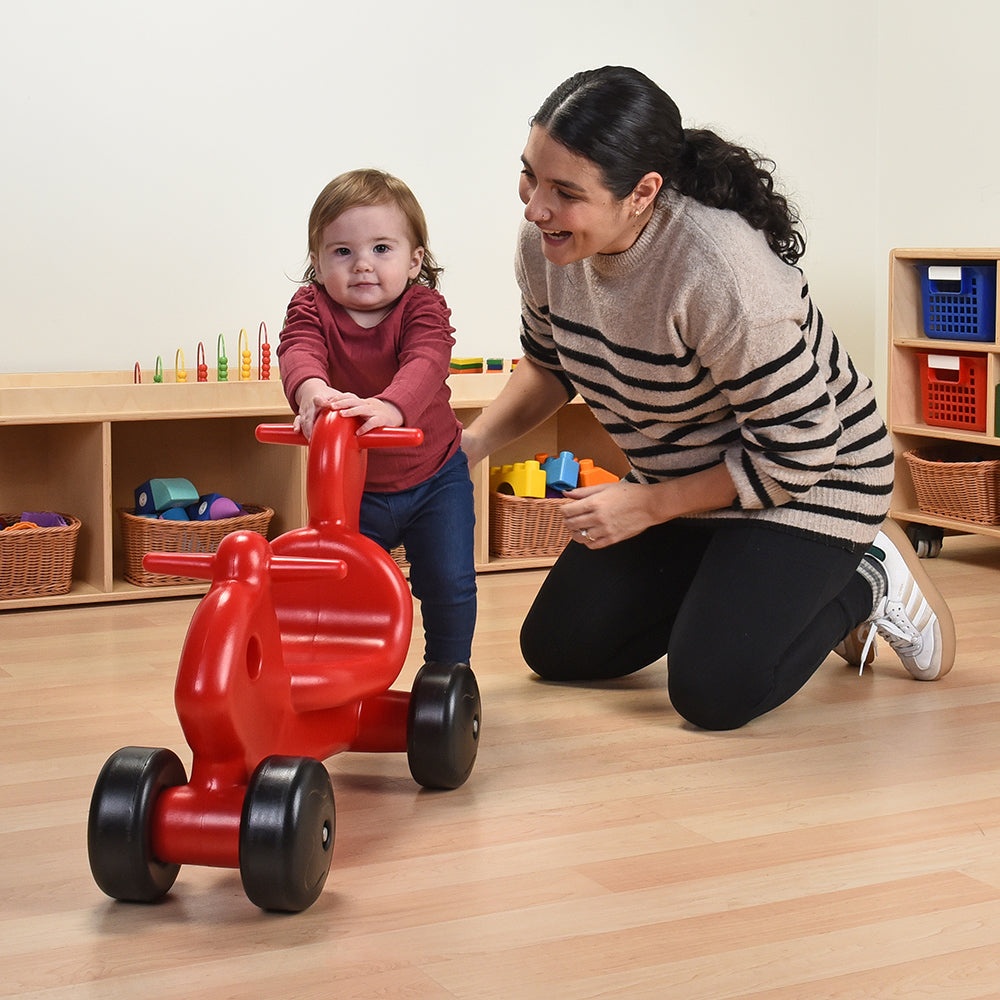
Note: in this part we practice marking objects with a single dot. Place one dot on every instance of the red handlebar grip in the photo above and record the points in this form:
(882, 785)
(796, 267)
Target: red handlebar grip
(199, 565)
(279, 434)
(392, 437)
(383, 437)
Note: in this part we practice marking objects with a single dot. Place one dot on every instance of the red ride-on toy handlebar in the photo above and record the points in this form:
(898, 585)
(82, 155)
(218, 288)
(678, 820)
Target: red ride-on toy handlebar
(289, 659)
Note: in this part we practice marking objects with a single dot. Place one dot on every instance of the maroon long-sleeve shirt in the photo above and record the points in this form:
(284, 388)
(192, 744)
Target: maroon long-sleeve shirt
(404, 360)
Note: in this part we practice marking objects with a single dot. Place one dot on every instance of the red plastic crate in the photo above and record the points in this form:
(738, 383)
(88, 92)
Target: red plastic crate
(953, 390)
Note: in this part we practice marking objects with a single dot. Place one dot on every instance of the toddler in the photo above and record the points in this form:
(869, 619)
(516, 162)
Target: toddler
(368, 335)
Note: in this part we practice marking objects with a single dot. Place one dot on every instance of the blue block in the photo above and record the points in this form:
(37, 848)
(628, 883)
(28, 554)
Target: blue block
(562, 472)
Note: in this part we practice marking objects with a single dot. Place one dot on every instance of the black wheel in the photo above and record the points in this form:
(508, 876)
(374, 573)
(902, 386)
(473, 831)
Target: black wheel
(442, 730)
(925, 539)
(119, 829)
(286, 833)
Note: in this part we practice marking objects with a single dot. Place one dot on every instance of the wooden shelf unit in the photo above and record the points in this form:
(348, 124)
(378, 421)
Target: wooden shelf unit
(905, 419)
(81, 442)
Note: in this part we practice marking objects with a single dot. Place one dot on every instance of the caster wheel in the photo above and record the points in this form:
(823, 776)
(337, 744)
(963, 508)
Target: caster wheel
(286, 833)
(442, 730)
(925, 539)
(119, 829)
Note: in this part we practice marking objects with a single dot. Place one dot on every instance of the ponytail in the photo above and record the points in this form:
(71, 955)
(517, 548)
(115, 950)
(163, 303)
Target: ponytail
(723, 175)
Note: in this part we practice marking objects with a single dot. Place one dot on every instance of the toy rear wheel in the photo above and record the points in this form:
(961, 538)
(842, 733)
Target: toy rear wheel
(119, 828)
(442, 730)
(286, 833)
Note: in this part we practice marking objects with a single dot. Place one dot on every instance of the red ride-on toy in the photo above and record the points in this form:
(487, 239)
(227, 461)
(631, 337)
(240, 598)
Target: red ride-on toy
(288, 660)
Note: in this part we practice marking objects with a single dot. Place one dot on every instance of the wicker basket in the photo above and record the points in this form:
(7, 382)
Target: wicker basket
(966, 490)
(37, 562)
(147, 534)
(526, 526)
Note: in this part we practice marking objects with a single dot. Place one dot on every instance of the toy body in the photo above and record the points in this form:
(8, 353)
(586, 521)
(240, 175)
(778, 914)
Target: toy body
(288, 659)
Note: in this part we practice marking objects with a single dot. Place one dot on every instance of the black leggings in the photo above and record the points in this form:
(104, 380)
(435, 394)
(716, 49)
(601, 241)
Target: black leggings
(745, 614)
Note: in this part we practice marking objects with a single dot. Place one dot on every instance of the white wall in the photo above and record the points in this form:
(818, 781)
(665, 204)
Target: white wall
(158, 163)
(939, 145)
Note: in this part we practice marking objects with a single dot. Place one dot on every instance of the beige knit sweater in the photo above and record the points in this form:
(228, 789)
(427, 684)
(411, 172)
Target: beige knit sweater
(697, 346)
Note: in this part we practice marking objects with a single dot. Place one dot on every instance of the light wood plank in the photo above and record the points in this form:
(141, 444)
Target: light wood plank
(844, 846)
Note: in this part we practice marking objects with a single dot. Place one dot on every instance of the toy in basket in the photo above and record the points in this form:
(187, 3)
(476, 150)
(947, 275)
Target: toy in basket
(36, 559)
(525, 502)
(141, 535)
(288, 660)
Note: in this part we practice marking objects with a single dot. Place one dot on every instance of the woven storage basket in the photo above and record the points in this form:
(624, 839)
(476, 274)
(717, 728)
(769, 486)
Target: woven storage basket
(147, 534)
(526, 526)
(964, 490)
(37, 562)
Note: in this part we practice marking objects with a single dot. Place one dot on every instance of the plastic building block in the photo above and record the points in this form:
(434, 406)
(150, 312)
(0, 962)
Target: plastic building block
(591, 475)
(522, 479)
(562, 471)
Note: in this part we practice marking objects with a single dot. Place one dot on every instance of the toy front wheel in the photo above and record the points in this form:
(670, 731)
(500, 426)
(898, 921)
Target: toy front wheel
(119, 829)
(442, 730)
(286, 833)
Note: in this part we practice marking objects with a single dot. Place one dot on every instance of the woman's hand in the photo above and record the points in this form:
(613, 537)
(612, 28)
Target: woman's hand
(610, 512)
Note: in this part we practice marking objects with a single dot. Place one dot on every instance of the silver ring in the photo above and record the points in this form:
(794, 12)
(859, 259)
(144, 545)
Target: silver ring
(584, 533)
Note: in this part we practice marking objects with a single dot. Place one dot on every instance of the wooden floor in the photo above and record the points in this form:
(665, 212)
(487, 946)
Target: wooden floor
(846, 846)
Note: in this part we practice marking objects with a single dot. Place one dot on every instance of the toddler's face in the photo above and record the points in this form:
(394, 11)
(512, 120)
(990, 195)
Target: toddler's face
(366, 259)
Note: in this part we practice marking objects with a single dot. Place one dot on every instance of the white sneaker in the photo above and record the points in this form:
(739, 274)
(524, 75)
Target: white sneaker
(911, 616)
(859, 647)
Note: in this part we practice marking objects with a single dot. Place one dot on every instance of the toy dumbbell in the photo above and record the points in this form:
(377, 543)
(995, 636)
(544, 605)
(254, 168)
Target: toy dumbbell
(213, 507)
(157, 495)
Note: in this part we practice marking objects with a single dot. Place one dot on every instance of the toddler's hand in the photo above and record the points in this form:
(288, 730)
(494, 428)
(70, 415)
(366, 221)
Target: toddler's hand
(373, 413)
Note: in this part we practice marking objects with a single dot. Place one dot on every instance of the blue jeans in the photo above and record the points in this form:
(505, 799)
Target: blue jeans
(434, 522)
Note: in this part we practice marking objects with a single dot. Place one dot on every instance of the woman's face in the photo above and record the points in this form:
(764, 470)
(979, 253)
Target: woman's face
(565, 197)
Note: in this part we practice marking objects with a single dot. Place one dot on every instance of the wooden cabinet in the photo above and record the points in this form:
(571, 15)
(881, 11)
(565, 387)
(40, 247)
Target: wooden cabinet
(81, 442)
(909, 349)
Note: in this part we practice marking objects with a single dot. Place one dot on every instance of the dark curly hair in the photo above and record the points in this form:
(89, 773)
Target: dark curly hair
(620, 120)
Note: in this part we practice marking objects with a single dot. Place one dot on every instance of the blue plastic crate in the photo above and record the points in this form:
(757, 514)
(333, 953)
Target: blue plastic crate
(959, 301)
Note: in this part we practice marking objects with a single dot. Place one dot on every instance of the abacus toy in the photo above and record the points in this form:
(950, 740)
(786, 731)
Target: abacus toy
(245, 356)
(263, 353)
(222, 365)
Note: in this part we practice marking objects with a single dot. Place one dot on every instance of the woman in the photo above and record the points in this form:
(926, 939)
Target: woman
(658, 280)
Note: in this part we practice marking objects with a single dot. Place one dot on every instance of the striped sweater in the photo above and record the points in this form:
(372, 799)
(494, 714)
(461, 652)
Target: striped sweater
(697, 346)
